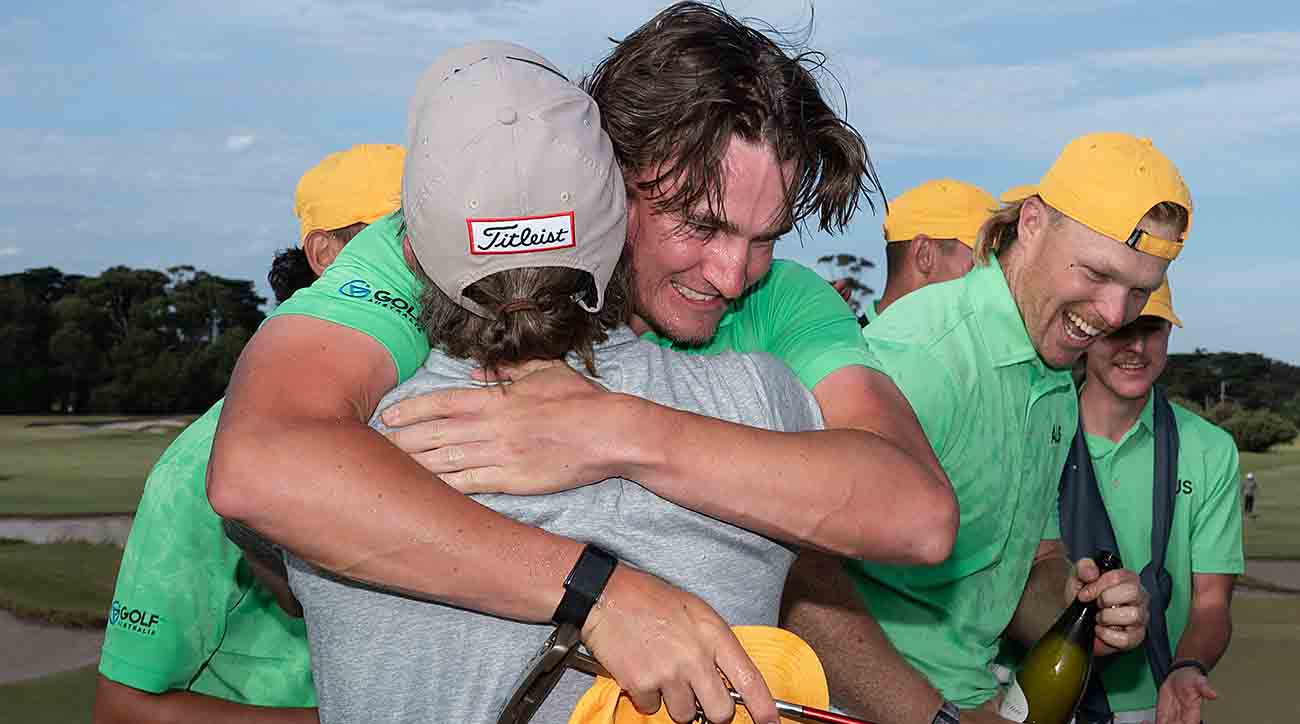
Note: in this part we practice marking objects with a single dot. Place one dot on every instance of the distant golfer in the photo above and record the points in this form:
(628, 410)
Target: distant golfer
(1249, 487)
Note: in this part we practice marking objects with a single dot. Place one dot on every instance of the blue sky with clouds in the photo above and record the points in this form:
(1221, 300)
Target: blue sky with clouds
(160, 133)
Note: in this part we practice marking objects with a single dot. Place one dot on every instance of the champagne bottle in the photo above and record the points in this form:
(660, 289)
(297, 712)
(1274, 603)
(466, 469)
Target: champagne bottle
(1054, 674)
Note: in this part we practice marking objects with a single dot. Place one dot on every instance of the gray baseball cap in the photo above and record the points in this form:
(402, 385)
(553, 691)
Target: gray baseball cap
(507, 167)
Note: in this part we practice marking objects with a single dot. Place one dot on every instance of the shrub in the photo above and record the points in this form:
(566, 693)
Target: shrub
(1258, 430)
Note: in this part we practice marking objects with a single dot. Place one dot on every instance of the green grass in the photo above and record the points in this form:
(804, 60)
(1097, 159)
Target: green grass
(70, 584)
(1276, 532)
(64, 698)
(1256, 679)
(46, 471)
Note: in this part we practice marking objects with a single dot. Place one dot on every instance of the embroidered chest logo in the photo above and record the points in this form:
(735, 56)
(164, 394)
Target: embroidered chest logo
(1184, 487)
(1056, 434)
(521, 234)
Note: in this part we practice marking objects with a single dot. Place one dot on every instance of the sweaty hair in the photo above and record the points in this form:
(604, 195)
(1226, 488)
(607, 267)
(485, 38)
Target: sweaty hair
(999, 230)
(674, 93)
(290, 270)
(537, 316)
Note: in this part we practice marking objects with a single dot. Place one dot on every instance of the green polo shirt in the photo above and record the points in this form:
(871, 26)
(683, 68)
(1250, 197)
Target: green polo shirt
(1205, 536)
(187, 613)
(1000, 421)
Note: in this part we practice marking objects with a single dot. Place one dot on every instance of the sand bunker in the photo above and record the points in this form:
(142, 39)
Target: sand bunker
(80, 528)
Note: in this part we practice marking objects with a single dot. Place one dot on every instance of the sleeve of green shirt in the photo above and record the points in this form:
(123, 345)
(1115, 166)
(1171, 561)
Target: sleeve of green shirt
(177, 577)
(1216, 522)
(370, 289)
(927, 384)
(805, 323)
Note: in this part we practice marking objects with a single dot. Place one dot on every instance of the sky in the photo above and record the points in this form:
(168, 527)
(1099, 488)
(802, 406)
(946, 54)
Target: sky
(154, 134)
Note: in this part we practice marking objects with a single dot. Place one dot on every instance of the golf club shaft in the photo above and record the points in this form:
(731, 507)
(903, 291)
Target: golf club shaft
(587, 665)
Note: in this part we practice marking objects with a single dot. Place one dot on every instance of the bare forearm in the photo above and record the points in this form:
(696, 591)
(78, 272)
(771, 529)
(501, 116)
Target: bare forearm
(1042, 602)
(350, 502)
(866, 675)
(1206, 638)
(846, 491)
(119, 704)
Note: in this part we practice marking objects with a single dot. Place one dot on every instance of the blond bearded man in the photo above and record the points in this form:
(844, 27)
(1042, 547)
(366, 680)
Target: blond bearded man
(984, 364)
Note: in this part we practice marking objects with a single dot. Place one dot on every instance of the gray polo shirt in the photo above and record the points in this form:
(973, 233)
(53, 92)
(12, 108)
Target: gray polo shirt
(383, 657)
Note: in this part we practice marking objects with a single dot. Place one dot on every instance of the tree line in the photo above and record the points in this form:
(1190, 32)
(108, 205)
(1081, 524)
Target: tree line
(126, 341)
(1255, 398)
(148, 341)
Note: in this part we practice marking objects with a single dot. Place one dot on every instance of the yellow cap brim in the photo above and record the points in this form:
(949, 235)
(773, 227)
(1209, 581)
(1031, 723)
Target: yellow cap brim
(1018, 193)
(789, 666)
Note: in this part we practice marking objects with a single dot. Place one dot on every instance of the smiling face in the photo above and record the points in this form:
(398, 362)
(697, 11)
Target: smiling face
(686, 268)
(1074, 285)
(1128, 361)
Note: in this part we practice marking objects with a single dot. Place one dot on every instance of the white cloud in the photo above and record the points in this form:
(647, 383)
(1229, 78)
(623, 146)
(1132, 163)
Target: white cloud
(1231, 99)
(1215, 53)
(10, 251)
(240, 141)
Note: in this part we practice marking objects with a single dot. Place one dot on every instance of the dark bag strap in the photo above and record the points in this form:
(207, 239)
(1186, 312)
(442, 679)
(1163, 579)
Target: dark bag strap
(1155, 578)
(1086, 528)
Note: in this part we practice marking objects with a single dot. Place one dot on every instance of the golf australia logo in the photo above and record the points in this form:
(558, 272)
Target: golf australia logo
(361, 290)
(133, 619)
(521, 234)
(357, 289)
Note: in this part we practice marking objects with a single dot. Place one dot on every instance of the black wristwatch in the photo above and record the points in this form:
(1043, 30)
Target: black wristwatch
(584, 585)
(947, 714)
(1189, 664)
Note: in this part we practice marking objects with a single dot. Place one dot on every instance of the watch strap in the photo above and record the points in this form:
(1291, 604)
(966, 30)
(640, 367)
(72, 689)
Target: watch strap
(1189, 664)
(583, 586)
(948, 714)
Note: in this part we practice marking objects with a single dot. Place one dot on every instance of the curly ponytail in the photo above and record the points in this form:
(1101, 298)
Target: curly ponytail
(537, 316)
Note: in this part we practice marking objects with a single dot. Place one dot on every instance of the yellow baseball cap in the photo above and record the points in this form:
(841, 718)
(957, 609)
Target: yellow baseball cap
(788, 664)
(355, 186)
(1017, 193)
(1161, 304)
(1109, 181)
(941, 209)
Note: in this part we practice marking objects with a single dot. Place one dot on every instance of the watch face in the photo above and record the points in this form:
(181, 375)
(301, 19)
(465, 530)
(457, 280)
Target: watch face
(540, 676)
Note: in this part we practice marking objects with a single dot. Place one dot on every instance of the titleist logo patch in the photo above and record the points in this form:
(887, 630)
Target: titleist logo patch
(521, 234)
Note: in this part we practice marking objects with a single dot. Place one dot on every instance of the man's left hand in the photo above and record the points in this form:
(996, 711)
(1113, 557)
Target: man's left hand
(1181, 696)
(540, 433)
(1122, 622)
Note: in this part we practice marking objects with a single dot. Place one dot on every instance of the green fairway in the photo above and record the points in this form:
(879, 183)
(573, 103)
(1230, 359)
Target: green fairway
(64, 698)
(53, 471)
(1275, 533)
(64, 583)
(1256, 679)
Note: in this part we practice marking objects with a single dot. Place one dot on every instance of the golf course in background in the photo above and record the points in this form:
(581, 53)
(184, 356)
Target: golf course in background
(80, 466)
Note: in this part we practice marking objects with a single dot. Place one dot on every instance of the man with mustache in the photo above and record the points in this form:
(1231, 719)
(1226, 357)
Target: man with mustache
(1190, 503)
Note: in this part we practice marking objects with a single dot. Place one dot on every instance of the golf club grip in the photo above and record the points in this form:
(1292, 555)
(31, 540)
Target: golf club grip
(586, 664)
